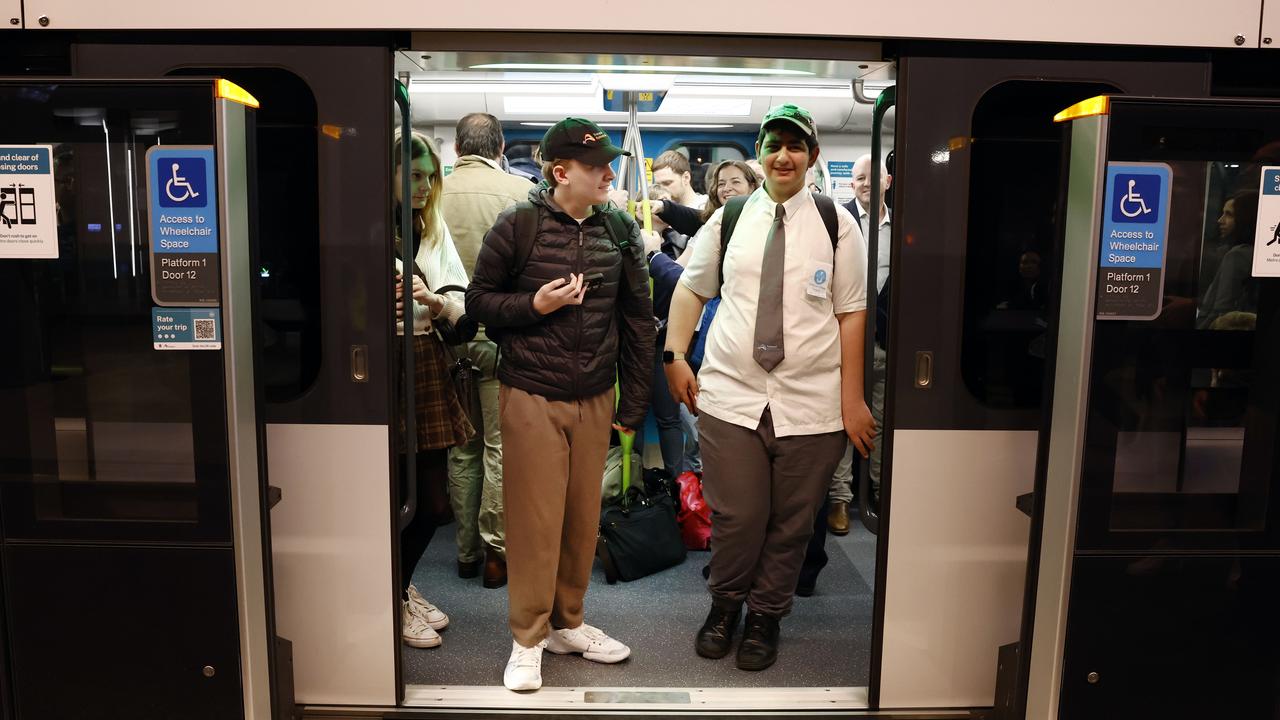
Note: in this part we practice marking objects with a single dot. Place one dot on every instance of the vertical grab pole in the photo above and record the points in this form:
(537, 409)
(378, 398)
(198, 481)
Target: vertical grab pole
(408, 253)
(887, 98)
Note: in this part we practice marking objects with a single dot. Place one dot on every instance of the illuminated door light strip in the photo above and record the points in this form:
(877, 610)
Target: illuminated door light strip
(111, 204)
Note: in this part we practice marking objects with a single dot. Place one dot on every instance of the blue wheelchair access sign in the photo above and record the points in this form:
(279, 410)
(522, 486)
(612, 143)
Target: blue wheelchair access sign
(1135, 225)
(183, 198)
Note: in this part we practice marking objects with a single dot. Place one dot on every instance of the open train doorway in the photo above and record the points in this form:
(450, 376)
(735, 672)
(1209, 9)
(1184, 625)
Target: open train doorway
(707, 110)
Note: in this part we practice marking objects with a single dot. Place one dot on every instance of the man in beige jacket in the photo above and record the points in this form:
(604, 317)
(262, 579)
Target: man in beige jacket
(474, 194)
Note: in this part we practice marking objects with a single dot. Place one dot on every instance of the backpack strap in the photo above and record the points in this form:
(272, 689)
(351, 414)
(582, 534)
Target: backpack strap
(526, 230)
(729, 220)
(616, 224)
(827, 209)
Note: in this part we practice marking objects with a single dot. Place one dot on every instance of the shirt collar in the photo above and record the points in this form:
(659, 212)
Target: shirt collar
(792, 206)
(862, 212)
(467, 159)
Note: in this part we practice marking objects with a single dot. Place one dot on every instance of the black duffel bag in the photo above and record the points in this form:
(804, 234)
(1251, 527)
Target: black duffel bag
(639, 536)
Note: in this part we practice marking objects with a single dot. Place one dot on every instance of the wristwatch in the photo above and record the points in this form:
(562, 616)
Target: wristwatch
(670, 356)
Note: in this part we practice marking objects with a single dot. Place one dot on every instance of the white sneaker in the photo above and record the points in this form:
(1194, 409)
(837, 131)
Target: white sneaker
(414, 629)
(590, 641)
(524, 669)
(431, 614)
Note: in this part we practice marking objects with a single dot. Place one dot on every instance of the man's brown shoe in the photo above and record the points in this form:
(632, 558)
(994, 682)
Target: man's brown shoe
(495, 569)
(838, 518)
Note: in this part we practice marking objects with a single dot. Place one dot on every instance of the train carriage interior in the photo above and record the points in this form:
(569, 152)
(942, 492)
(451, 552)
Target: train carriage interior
(710, 109)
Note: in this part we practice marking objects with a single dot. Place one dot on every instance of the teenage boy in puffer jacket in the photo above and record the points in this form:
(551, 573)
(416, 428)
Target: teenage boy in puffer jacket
(573, 318)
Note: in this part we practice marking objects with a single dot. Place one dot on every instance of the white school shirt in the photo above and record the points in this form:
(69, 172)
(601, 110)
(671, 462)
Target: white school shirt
(882, 243)
(803, 391)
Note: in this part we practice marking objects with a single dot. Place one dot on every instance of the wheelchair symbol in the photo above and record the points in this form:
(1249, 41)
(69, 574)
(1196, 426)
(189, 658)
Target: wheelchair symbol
(177, 181)
(1133, 200)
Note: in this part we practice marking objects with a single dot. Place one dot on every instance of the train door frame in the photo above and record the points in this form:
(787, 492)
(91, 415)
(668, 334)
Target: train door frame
(933, 418)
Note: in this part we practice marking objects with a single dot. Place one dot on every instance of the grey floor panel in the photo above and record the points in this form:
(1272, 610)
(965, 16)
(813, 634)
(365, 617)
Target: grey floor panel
(825, 641)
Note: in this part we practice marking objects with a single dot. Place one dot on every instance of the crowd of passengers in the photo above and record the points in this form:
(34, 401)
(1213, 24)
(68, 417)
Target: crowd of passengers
(751, 363)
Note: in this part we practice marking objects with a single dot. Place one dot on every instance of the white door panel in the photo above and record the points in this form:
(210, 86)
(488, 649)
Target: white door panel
(331, 550)
(957, 564)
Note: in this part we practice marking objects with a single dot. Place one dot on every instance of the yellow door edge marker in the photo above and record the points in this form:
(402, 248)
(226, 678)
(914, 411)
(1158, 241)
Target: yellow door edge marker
(228, 90)
(1097, 105)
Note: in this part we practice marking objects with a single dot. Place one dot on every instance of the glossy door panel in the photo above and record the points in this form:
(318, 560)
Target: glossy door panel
(122, 442)
(124, 632)
(1173, 637)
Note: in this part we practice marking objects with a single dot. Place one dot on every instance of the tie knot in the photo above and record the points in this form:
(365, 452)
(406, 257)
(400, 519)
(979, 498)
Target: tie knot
(780, 213)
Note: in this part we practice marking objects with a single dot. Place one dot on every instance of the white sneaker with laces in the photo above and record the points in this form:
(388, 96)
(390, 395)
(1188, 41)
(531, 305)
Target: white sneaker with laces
(590, 641)
(414, 630)
(524, 668)
(430, 614)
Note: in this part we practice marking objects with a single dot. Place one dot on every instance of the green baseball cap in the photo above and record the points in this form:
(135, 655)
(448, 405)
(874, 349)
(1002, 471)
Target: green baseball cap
(793, 114)
(579, 139)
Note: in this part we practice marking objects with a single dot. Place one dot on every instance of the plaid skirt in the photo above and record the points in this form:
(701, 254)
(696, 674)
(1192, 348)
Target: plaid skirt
(441, 420)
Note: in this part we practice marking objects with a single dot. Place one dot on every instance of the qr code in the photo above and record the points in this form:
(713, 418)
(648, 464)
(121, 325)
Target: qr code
(206, 329)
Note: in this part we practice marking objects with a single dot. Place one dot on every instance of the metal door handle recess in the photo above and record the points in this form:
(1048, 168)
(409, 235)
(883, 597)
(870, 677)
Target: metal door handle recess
(359, 363)
(924, 369)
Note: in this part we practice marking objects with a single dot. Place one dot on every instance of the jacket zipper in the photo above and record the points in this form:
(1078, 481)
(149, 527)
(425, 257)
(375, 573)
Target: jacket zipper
(577, 352)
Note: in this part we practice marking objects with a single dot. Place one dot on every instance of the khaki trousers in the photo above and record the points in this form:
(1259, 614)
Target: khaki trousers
(475, 469)
(552, 463)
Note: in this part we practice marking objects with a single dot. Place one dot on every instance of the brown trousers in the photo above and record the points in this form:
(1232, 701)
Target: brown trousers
(764, 492)
(553, 458)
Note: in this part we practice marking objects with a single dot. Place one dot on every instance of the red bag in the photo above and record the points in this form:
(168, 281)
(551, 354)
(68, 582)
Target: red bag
(695, 514)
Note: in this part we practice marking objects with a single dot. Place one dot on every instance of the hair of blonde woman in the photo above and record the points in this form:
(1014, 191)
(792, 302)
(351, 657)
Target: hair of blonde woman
(713, 197)
(427, 220)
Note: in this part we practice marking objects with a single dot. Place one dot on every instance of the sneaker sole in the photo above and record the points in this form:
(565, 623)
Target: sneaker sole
(523, 688)
(593, 657)
(429, 643)
(438, 625)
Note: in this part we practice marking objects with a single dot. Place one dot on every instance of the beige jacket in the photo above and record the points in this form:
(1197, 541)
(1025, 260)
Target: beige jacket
(474, 194)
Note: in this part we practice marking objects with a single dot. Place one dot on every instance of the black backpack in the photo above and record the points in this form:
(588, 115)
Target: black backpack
(525, 236)
(732, 209)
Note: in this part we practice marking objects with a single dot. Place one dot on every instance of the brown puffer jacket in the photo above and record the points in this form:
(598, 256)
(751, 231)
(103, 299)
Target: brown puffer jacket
(578, 350)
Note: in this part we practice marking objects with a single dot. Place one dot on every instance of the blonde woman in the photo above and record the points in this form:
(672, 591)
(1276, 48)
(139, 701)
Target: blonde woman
(441, 421)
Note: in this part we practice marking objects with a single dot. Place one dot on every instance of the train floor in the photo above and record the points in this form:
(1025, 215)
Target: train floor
(826, 639)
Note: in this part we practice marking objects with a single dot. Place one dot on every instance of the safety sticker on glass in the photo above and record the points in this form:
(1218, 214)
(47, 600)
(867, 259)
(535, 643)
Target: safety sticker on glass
(1266, 243)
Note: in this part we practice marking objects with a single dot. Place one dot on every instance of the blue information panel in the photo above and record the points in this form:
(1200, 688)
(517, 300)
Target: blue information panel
(646, 100)
(184, 225)
(1135, 227)
(186, 328)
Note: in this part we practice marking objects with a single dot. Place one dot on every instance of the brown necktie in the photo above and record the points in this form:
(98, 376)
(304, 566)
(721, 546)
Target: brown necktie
(768, 350)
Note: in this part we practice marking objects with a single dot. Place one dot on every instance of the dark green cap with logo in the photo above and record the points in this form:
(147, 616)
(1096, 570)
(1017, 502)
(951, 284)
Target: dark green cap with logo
(579, 139)
(794, 115)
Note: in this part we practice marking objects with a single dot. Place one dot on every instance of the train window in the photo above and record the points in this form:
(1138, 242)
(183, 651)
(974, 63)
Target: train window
(705, 155)
(288, 216)
(1014, 176)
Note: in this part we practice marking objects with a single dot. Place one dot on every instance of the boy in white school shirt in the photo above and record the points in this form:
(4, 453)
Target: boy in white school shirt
(780, 389)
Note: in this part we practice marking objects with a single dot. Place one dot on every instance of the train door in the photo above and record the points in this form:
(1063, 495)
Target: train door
(131, 489)
(323, 169)
(1159, 569)
(973, 259)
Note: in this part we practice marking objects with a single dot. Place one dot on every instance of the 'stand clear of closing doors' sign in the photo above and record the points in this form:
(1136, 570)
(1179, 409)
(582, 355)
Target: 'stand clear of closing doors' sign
(28, 216)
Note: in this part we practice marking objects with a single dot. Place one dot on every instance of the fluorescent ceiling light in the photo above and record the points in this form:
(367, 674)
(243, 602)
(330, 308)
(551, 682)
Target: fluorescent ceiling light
(586, 86)
(560, 106)
(651, 126)
(701, 70)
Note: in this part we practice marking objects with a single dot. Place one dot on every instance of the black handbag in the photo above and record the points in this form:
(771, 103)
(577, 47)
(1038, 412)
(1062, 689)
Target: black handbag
(455, 333)
(465, 378)
(639, 535)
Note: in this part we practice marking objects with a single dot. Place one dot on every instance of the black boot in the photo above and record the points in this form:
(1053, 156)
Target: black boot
(715, 637)
(759, 647)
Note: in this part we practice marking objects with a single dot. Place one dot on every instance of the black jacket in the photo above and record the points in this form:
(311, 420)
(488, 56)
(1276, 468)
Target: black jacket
(578, 350)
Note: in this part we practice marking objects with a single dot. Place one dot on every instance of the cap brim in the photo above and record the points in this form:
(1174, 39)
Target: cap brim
(804, 129)
(601, 155)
